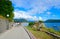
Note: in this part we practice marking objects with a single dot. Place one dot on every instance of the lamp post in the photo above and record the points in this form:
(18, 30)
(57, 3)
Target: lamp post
(7, 22)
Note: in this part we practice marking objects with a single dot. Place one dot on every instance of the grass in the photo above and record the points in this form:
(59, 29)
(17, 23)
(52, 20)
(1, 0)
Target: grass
(39, 34)
(2, 17)
(54, 31)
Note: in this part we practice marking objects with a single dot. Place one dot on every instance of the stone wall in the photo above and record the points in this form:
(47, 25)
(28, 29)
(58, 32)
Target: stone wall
(11, 25)
(3, 25)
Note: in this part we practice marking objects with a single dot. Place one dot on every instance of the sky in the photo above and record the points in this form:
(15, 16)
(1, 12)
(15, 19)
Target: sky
(36, 9)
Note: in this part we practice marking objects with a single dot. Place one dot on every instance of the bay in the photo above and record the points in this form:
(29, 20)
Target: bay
(55, 26)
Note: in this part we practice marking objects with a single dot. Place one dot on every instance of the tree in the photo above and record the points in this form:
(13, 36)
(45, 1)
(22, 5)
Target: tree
(40, 21)
(31, 23)
(6, 8)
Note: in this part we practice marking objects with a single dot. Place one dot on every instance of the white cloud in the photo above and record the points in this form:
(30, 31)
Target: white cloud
(22, 14)
(40, 18)
(35, 18)
(38, 6)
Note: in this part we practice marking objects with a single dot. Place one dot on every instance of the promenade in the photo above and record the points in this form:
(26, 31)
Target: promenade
(15, 33)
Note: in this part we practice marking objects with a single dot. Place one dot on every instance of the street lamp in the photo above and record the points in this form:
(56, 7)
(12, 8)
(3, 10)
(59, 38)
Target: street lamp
(7, 15)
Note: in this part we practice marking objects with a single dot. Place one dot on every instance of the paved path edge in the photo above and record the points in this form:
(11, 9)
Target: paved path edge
(30, 34)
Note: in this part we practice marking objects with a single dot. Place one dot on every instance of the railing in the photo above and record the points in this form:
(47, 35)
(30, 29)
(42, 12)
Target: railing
(54, 35)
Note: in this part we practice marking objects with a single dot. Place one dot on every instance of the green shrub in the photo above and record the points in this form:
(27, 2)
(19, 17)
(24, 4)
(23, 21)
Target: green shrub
(31, 24)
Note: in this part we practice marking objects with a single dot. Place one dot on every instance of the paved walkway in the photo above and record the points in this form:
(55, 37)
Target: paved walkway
(15, 33)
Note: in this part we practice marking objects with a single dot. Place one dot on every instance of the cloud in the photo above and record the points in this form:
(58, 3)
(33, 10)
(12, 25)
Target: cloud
(21, 14)
(33, 7)
(38, 6)
(40, 18)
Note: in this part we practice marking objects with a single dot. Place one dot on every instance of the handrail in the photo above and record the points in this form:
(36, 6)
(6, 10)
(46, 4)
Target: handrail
(54, 35)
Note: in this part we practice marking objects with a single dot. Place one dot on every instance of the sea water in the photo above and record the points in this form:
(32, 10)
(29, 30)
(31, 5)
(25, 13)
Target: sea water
(55, 26)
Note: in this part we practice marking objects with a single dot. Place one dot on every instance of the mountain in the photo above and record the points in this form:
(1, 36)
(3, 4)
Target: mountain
(53, 21)
(20, 20)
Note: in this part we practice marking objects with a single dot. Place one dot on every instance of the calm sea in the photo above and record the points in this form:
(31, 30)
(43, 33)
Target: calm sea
(55, 26)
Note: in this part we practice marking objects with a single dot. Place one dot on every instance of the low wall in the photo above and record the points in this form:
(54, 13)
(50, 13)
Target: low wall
(3, 25)
(11, 25)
